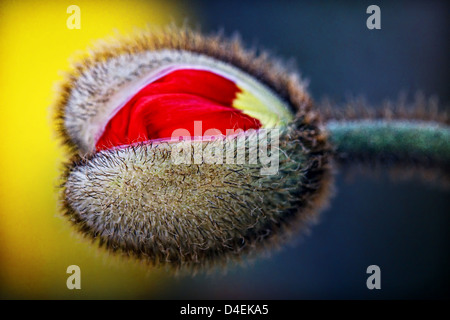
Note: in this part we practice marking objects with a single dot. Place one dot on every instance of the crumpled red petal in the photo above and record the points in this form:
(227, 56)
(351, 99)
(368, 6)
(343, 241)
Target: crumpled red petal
(176, 101)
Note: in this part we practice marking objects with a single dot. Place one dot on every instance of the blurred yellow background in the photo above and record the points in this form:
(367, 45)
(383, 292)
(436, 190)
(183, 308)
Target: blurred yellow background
(37, 244)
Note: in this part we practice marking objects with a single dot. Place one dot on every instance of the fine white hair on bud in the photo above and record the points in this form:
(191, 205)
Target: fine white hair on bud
(137, 200)
(192, 203)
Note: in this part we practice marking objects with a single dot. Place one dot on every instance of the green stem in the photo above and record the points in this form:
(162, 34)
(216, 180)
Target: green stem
(421, 141)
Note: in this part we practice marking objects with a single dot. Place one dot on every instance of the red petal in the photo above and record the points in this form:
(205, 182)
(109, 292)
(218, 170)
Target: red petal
(174, 102)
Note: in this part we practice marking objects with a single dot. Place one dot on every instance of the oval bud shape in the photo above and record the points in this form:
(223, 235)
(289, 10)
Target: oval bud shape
(190, 150)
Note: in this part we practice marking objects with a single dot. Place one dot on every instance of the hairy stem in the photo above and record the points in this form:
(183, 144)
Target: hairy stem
(420, 142)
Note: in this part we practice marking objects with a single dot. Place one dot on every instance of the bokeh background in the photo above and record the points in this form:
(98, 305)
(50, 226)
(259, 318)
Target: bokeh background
(400, 226)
